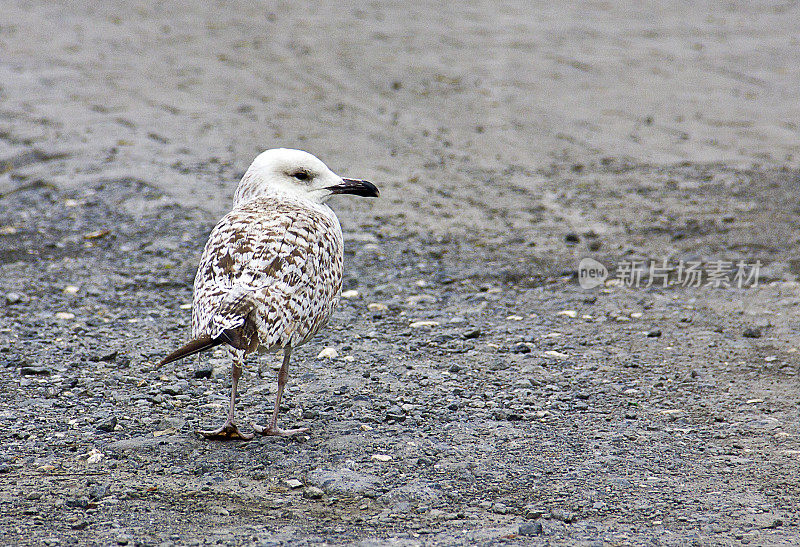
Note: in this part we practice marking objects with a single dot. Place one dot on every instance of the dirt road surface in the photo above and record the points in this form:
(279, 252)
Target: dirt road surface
(479, 394)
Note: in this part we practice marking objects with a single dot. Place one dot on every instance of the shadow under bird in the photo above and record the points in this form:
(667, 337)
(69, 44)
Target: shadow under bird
(271, 272)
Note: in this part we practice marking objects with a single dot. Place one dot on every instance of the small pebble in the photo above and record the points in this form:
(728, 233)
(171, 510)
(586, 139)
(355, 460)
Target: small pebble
(175, 389)
(328, 353)
(500, 508)
(416, 299)
(81, 502)
(15, 298)
(34, 371)
(97, 234)
(471, 334)
(751, 333)
(108, 424)
(109, 357)
(423, 324)
(293, 483)
(563, 515)
(350, 294)
(99, 491)
(92, 457)
(520, 348)
(312, 493)
(395, 414)
(532, 512)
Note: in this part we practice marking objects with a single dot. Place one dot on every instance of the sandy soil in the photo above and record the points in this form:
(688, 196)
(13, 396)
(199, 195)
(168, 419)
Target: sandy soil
(479, 394)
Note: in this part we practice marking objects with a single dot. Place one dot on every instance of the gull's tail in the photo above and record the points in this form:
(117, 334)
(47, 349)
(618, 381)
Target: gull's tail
(195, 346)
(243, 338)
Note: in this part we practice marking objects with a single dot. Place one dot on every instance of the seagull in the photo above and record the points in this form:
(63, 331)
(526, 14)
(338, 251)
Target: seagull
(271, 272)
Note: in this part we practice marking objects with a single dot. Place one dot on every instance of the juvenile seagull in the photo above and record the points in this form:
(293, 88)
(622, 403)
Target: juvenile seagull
(271, 272)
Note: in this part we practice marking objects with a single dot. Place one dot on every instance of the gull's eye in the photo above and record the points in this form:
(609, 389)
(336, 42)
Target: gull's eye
(301, 175)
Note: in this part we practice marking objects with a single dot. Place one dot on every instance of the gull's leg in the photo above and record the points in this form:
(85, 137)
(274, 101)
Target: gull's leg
(272, 428)
(229, 429)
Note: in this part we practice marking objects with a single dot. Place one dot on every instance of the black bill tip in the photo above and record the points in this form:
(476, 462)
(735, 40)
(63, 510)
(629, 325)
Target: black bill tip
(356, 187)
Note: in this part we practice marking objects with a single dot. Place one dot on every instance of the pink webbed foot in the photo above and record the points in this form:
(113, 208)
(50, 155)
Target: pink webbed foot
(227, 432)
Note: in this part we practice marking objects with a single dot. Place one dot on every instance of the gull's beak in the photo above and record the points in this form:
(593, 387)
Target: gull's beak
(356, 187)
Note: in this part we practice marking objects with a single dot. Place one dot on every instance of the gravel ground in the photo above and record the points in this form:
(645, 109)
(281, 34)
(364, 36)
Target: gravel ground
(478, 393)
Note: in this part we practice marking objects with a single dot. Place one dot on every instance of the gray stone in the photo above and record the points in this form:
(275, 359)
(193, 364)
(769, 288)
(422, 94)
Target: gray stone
(175, 389)
(34, 371)
(532, 512)
(563, 515)
(107, 424)
(471, 334)
(344, 481)
(312, 493)
(15, 298)
(531, 529)
(99, 491)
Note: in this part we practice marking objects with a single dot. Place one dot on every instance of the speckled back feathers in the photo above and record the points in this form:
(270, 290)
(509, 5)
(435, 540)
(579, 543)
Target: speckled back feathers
(272, 267)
